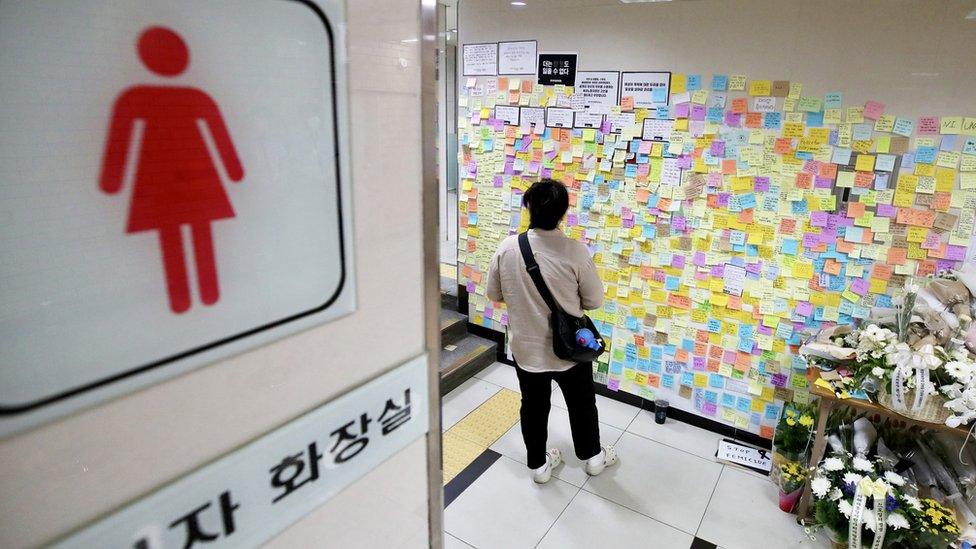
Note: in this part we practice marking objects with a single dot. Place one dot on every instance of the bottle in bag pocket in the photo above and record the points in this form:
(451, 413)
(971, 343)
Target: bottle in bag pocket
(586, 338)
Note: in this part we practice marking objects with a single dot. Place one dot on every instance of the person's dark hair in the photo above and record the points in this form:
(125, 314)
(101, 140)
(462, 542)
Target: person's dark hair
(547, 201)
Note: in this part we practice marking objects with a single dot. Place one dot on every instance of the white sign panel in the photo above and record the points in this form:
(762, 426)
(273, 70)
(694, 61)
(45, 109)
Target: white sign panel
(734, 452)
(559, 118)
(621, 120)
(657, 129)
(185, 198)
(587, 120)
(479, 59)
(508, 114)
(649, 89)
(598, 89)
(517, 57)
(248, 496)
(532, 115)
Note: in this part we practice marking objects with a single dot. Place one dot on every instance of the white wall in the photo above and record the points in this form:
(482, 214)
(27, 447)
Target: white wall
(914, 56)
(65, 474)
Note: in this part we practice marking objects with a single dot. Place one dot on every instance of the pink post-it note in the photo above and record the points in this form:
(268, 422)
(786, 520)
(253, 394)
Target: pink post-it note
(928, 125)
(804, 308)
(873, 110)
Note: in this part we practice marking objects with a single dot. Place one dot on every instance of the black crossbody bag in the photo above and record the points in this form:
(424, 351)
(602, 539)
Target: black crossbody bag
(564, 325)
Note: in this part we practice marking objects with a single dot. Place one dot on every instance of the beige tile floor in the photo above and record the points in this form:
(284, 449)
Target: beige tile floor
(666, 491)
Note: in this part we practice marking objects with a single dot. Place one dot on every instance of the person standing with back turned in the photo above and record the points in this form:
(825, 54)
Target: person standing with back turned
(571, 276)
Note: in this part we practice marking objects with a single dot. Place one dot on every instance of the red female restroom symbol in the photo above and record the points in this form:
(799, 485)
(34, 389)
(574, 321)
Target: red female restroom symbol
(176, 182)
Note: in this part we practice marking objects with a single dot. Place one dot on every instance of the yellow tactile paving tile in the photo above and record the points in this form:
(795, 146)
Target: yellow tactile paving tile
(471, 436)
(458, 454)
(488, 422)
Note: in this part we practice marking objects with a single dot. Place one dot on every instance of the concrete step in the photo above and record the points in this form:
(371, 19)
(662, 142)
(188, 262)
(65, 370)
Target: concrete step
(463, 359)
(449, 293)
(454, 326)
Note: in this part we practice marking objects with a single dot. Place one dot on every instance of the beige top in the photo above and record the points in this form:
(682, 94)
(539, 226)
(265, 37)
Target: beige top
(569, 273)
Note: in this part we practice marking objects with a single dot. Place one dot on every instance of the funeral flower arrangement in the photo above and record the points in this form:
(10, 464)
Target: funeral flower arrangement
(863, 502)
(916, 357)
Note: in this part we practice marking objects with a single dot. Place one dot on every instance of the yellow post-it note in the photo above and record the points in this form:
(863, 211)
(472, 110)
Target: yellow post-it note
(865, 163)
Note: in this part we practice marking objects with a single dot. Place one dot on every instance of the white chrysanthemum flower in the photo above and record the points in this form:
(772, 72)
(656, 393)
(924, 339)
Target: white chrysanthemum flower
(894, 478)
(913, 502)
(877, 371)
(833, 464)
(845, 507)
(963, 371)
(852, 478)
(861, 464)
(897, 521)
(820, 486)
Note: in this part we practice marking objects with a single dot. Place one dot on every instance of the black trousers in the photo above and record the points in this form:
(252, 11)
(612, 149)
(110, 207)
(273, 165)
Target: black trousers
(577, 387)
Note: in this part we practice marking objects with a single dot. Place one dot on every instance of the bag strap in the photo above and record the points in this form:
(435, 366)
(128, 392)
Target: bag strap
(533, 268)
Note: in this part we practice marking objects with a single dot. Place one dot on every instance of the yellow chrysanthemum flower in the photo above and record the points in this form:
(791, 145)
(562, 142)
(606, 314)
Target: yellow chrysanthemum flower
(806, 420)
(790, 421)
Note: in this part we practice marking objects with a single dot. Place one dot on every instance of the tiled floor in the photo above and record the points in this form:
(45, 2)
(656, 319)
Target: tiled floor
(666, 491)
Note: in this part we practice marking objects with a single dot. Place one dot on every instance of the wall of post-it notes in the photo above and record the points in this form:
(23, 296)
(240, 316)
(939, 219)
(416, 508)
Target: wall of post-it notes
(756, 213)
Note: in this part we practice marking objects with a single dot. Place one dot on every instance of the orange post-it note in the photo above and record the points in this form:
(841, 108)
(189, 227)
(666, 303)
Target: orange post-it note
(855, 209)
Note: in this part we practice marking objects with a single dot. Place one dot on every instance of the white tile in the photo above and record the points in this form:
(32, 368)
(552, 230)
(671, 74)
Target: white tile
(461, 401)
(676, 434)
(591, 521)
(740, 496)
(500, 374)
(504, 508)
(560, 436)
(612, 412)
(658, 481)
(451, 542)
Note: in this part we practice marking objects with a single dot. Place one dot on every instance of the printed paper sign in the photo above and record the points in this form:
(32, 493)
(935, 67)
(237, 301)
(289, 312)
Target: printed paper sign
(510, 115)
(598, 89)
(517, 57)
(557, 68)
(479, 59)
(559, 118)
(587, 120)
(649, 89)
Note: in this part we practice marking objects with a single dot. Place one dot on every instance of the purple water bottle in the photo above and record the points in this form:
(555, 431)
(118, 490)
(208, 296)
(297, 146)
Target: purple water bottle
(586, 338)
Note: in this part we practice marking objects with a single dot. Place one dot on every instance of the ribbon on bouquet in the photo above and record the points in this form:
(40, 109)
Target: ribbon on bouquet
(922, 382)
(868, 488)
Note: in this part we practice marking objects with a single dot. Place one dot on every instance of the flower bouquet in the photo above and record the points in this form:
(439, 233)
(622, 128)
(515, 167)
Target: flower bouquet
(792, 476)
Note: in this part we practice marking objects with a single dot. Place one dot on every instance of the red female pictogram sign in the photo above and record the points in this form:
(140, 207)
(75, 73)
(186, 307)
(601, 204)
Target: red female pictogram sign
(176, 180)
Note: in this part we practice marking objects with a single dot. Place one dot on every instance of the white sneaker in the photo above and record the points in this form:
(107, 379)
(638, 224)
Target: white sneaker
(596, 464)
(553, 458)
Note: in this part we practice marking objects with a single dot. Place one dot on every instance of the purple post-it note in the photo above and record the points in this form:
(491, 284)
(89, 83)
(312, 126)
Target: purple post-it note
(804, 308)
(818, 219)
(859, 286)
(718, 149)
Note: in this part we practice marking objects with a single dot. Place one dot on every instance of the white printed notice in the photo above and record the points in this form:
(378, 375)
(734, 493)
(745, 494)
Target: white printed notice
(510, 115)
(598, 90)
(588, 119)
(622, 120)
(532, 115)
(657, 129)
(517, 57)
(480, 59)
(649, 89)
(559, 118)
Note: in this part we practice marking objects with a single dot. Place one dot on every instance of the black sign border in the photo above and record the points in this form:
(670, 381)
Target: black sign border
(6, 410)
